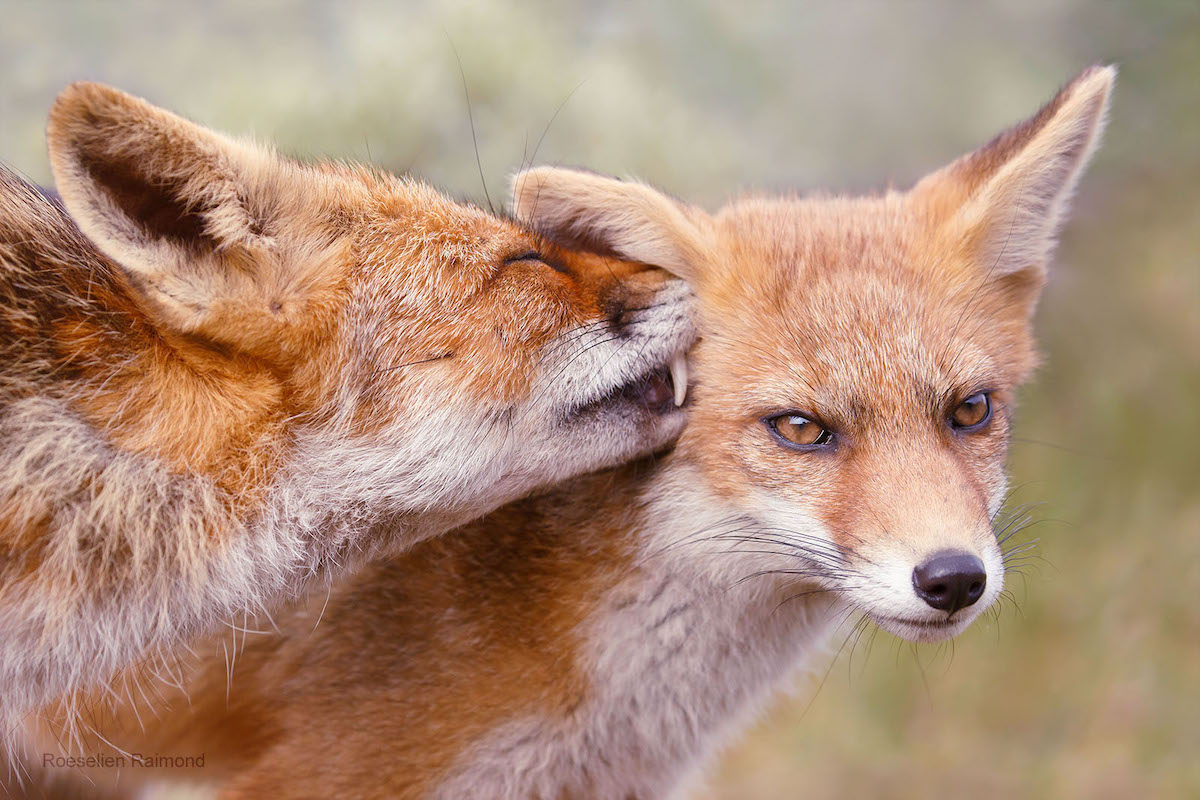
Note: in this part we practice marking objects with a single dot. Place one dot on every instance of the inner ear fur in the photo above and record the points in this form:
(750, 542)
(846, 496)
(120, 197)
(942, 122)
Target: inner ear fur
(135, 173)
(627, 219)
(195, 218)
(1005, 203)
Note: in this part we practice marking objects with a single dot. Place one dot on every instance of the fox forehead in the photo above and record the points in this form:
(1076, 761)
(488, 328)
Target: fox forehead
(429, 253)
(852, 308)
(407, 230)
(447, 288)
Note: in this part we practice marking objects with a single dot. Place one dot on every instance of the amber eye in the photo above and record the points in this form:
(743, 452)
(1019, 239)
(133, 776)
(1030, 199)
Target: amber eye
(972, 413)
(797, 431)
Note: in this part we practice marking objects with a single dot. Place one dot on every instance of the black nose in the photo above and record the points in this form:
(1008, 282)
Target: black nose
(951, 580)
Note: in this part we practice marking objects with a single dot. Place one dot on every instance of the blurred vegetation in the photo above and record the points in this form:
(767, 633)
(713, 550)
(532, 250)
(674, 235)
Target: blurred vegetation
(1090, 687)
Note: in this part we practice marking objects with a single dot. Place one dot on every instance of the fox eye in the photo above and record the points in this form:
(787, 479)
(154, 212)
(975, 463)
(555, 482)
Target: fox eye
(973, 413)
(798, 432)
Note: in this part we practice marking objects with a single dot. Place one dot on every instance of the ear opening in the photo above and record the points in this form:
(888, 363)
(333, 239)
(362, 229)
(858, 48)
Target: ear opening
(198, 221)
(1006, 201)
(626, 219)
(134, 175)
(155, 209)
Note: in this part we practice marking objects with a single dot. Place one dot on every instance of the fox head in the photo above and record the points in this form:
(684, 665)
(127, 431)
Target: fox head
(415, 350)
(858, 358)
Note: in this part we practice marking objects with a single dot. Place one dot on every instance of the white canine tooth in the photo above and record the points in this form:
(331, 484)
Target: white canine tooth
(679, 376)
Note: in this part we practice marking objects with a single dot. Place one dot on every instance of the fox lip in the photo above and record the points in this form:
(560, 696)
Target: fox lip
(923, 630)
(655, 391)
(949, 622)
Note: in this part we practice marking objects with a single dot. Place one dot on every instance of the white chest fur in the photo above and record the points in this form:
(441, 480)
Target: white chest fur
(681, 654)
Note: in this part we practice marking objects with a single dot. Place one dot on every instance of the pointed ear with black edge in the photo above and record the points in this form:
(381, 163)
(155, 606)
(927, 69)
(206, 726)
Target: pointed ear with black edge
(196, 219)
(627, 219)
(1003, 205)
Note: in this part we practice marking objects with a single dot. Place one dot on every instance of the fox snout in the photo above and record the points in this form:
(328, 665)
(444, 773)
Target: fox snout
(928, 593)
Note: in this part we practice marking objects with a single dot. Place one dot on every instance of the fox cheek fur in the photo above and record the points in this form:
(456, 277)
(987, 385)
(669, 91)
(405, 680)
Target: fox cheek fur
(224, 371)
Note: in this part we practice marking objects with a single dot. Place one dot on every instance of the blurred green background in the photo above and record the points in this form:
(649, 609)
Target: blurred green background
(1090, 686)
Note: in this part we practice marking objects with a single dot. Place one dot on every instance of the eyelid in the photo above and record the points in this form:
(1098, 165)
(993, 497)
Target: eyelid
(807, 415)
(965, 396)
(528, 255)
(987, 394)
(534, 255)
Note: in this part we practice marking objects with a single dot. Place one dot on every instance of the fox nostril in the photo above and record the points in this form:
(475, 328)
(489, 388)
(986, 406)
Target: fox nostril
(950, 580)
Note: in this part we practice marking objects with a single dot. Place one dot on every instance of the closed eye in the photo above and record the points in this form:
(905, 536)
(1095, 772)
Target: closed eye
(528, 255)
(534, 255)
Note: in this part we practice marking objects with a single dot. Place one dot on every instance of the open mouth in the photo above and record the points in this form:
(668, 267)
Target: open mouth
(659, 391)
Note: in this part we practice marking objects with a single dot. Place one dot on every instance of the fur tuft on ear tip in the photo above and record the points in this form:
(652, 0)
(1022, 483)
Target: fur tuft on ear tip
(91, 120)
(74, 105)
(552, 200)
(137, 177)
(77, 99)
(1101, 77)
(1091, 91)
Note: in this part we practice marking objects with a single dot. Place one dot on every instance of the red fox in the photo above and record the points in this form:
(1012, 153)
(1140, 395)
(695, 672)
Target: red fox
(852, 401)
(225, 372)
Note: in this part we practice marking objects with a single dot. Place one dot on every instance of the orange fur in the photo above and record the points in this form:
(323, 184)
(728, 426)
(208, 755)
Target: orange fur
(596, 642)
(226, 372)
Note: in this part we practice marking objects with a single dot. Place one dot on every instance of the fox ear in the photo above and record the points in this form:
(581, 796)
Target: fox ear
(196, 219)
(623, 218)
(1004, 203)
